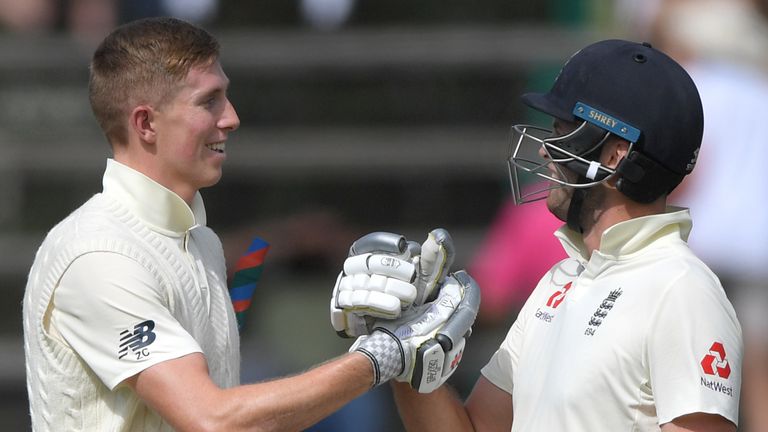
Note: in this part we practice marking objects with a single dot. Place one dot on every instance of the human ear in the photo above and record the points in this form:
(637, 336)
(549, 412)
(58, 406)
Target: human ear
(141, 122)
(613, 152)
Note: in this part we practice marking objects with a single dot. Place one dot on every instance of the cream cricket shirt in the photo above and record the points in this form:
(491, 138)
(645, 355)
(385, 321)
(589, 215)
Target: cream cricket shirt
(103, 292)
(130, 279)
(629, 339)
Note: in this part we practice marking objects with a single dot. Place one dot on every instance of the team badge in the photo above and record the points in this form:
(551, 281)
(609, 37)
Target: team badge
(602, 311)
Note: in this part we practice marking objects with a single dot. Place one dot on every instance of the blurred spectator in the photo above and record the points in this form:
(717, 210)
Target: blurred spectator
(29, 16)
(635, 18)
(326, 14)
(90, 20)
(723, 45)
(197, 11)
(87, 20)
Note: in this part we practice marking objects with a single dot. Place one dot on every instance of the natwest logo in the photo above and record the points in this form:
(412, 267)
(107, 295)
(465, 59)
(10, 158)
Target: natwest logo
(558, 297)
(715, 363)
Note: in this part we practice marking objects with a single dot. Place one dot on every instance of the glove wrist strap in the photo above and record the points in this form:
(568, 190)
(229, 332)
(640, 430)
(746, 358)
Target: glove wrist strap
(385, 353)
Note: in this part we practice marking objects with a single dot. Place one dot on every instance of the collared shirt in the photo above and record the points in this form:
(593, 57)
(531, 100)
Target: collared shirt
(104, 297)
(130, 279)
(160, 208)
(629, 338)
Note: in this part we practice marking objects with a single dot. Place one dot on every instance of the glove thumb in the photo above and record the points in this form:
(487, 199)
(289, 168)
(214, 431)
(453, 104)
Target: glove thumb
(437, 255)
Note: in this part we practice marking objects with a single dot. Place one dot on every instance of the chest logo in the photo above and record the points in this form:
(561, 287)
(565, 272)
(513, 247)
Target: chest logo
(558, 297)
(715, 363)
(137, 340)
(602, 311)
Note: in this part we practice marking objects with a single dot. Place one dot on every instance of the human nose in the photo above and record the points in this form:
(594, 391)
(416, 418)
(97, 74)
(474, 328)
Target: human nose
(229, 120)
(543, 152)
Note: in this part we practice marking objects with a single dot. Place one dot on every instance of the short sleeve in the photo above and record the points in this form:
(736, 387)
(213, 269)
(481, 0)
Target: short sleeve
(112, 312)
(500, 368)
(694, 351)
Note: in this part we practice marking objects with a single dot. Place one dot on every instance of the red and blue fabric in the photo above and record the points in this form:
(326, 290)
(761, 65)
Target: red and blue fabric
(245, 278)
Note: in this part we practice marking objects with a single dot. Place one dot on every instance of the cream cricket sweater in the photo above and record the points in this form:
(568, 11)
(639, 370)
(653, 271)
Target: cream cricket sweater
(132, 217)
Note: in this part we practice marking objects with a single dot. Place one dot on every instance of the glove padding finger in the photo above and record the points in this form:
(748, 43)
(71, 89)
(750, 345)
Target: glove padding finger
(383, 268)
(383, 265)
(373, 285)
(425, 345)
(433, 264)
(375, 295)
(358, 296)
(377, 282)
(346, 323)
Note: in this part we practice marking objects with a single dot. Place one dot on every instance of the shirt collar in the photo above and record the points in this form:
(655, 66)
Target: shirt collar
(159, 207)
(631, 235)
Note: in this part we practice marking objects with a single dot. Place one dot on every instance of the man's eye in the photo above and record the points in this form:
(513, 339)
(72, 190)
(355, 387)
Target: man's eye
(211, 101)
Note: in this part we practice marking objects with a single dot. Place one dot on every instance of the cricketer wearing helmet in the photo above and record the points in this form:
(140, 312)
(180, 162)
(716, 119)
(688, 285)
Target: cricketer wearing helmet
(632, 332)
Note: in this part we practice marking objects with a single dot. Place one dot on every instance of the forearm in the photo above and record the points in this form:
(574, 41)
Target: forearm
(297, 402)
(439, 411)
(182, 392)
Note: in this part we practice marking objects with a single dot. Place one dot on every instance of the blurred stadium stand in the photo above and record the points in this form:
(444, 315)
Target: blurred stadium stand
(400, 128)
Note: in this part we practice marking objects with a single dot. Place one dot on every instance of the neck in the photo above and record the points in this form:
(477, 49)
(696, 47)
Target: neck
(616, 208)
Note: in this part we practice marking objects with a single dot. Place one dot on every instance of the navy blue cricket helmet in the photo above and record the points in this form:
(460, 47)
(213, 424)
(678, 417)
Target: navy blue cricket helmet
(625, 89)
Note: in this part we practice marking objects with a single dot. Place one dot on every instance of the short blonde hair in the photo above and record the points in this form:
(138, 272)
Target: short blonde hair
(143, 62)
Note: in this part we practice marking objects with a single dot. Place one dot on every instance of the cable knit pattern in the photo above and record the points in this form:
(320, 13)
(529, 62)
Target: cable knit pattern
(65, 395)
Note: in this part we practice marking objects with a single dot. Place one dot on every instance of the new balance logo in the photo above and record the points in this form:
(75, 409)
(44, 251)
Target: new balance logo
(137, 340)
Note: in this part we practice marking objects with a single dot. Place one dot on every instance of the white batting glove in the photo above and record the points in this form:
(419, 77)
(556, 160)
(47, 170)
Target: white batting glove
(384, 275)
(424, 347)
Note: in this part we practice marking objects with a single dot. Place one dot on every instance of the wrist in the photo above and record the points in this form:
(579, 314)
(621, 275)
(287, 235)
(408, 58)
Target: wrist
(385, 353)
(370, 366)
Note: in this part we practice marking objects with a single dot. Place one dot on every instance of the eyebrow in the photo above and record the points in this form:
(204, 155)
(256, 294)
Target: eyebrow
(214, 91)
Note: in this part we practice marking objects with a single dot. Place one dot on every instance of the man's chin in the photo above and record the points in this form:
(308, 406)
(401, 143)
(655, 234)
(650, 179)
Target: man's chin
(558, 203)
(212, 179)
